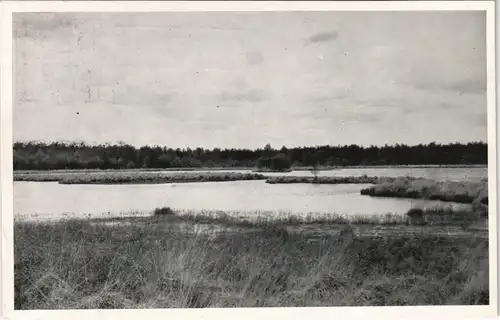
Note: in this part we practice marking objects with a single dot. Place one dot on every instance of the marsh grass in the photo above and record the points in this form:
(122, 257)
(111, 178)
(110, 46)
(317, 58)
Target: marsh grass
(464, 192)
(262, 219)
(438, 216)
(364, 179)
(79, 264)
(263, 170)
(134, 176)
(72, 171)
(444, 216)
(39, 176)
(124, 177)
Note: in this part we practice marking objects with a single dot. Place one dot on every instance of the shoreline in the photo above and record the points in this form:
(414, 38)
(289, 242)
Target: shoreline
(430, 217)
(306, 230)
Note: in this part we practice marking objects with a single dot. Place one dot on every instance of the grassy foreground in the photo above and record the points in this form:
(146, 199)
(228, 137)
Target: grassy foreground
(155, 263)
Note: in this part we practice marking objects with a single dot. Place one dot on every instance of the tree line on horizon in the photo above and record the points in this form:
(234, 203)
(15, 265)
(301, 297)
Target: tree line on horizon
(63, 155)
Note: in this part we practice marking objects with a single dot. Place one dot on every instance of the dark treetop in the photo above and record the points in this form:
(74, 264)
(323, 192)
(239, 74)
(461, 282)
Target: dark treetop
(58, 155)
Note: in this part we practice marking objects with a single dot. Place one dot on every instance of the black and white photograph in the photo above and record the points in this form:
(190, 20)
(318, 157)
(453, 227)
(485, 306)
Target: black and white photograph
(251, 159)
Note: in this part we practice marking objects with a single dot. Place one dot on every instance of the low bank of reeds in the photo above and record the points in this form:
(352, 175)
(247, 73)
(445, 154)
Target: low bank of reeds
(263, 170)
(445, 216)
(39, 176)
(433, 216)
(272, 219)
(463, 192)
(123, 177)
(329, 180)
(78, 264)
(190, 169)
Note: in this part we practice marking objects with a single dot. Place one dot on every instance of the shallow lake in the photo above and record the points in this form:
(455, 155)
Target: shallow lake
(50, 200)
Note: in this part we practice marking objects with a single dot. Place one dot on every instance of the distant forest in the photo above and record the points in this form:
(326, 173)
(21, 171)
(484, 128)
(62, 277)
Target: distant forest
(58, 155)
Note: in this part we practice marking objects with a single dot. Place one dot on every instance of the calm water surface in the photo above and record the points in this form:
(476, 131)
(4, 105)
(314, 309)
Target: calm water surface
(50, 200)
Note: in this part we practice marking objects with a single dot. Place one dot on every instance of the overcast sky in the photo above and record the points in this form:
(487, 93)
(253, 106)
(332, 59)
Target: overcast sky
(246, 79)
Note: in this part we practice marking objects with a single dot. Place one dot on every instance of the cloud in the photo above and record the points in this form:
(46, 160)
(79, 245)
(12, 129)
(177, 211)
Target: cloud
(210, 70)
(249, 96)
(32, 25)
(468, 86)
(327, 98)
(480, 120)
(460, 86)
(360, 117)
(254, 58)
(157, 71)
(323, 37)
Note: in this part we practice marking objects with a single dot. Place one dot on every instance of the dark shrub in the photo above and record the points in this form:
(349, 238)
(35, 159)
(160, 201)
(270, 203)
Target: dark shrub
(416, 216)
(163, 211)
(415, 212)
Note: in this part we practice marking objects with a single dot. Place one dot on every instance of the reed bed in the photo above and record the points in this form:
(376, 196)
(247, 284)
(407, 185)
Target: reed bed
(438, 215)
(190, 169)
(262, 219)
(463, 192)
(445, 216)
(40, 176)
(263, 170)
(330, 180)
(123, 177)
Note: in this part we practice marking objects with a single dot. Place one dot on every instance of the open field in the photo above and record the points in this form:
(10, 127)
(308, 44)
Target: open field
(156, 263)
